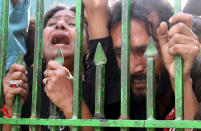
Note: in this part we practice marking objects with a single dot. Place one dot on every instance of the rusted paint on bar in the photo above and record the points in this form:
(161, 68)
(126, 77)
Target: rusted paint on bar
(150, 55)
(150, 89)
(38, 51)
(3, 48)
(100, 61)
(78, 60)
(125, 61)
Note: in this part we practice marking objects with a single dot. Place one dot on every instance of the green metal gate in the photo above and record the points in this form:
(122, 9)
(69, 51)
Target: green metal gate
(76, 122)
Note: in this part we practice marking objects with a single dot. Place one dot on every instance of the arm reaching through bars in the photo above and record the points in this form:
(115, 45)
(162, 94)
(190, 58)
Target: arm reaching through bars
(98, 14)
(17, 73)
(180, 40)
(59, 89)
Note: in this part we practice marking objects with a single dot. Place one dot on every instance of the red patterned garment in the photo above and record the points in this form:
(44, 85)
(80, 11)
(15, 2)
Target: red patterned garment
(170, 116)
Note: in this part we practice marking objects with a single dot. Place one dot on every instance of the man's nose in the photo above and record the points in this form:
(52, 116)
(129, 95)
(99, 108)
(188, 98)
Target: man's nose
(60, 25)
(137, 64)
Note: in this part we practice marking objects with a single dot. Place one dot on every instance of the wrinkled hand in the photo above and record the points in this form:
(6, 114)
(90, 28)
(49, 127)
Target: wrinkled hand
(178, 40)
(16, 72)
(59, 87)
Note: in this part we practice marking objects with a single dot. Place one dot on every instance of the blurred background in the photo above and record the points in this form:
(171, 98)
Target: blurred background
(52, 3)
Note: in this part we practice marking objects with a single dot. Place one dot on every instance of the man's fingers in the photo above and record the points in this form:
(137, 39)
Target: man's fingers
(184, 50)
(182, 39)
(182, 17)
(181, 28)
(162, 33)
(16, 67)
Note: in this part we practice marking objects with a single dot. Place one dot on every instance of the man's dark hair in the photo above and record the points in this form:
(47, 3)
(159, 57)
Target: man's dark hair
(141, 9)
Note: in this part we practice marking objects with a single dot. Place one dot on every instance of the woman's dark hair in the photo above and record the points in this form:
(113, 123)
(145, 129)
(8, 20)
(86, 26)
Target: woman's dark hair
(141, 9)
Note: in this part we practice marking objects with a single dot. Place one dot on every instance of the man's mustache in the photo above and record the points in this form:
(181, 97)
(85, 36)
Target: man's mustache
(138, 78)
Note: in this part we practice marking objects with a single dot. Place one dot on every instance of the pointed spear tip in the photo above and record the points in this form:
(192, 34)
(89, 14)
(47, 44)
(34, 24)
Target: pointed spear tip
(59, 57)
(20, 58)
(100, 57)
(151, 50)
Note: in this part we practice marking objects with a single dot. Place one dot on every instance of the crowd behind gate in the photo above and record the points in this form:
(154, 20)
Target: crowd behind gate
(155, 20)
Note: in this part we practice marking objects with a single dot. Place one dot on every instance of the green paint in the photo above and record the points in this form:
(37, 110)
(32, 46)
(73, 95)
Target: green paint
(17, 106)
(100, 61)
(100, 58)
(105, 123)
(125, 61)
(3, 48)
(151, 50)
(59, 57)
(54, 111)
(150, 54)
(37, 67)
(179, 97)
(78, 61)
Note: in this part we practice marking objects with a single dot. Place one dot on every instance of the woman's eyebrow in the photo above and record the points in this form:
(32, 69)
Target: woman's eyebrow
(66, 15)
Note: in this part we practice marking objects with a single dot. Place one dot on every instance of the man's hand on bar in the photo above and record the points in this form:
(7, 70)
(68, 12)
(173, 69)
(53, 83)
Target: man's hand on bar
(182, 41)
(178, 40)
(98, 14)
(18, 74)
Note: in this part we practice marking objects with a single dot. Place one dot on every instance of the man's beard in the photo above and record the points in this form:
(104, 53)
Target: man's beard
(140, 78)
(162, 83)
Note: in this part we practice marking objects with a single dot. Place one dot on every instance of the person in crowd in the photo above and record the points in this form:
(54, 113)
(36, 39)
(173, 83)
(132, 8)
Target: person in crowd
(147, 20)
(59, 32)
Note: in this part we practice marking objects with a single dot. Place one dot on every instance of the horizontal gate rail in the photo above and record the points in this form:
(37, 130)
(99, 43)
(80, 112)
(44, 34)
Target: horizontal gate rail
(105, 123)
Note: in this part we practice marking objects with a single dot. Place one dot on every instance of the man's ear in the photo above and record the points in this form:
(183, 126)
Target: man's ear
(14, 2)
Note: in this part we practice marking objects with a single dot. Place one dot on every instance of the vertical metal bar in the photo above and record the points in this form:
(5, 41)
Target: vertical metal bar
(78, 60)
(179, 92)
(54, 111)
(150, 54)
(3, 48)
(179, 105)
(17, 107)
(100, 61)
(125, 61)
(37, 70)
